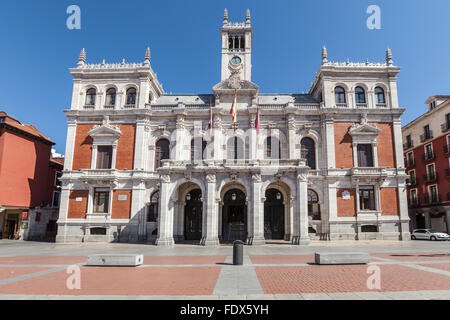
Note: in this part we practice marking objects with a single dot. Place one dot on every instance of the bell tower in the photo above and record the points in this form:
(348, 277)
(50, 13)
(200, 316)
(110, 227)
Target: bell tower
(237, 47)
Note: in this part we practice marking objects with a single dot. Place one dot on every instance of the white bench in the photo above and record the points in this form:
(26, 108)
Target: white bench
(342, 258)
(117, 260)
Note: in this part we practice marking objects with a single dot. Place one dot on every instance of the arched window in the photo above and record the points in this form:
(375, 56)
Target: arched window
(273, 148)
(235, 149)
(379, 93)
(90, 97)
(152, 214)
(110, 97)
(313, 205)
(131, 97)
(162, 152)
(198, 146)
(309, 152)
(339, 94)
(360, 95)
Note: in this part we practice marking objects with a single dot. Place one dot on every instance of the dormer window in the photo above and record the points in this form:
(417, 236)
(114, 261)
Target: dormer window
(131, 97)
(90, 97)
(432, 105)
(110, 97)
(360, 95)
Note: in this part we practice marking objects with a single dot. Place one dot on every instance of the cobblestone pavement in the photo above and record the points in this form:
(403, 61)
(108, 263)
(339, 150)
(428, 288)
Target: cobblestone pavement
(408, 270)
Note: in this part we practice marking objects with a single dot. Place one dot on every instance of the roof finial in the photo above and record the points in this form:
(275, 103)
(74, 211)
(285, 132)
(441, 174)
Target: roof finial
(247, 17)
(324, 55)
(147, 56)
(225, 16)
(82, 58)
(389, 60)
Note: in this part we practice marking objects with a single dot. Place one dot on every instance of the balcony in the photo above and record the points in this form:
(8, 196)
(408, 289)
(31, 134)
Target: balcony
(129, 106)
(108, 107)
(89, 106)
(434, 199)
(431, 177)
(414, 203)
(381, 105)
(410, 163)
(445, 127)
(341, 105)
(361, 105)
(408, 145)
(412, 182)
(447, 149)
(426, 136)
(428, 156)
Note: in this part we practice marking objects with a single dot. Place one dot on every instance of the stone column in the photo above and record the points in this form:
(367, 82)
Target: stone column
(70, 144)
(210, 217)
(302, 206)
(63, 213)
(140, 151)
(138, 214)
(165, 217)
(256, 228)
(329, 146)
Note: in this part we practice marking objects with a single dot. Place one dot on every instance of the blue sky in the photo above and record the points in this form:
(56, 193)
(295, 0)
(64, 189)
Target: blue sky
(37, 48)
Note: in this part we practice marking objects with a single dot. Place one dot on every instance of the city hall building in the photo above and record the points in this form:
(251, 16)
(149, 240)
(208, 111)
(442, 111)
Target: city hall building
(145, 166)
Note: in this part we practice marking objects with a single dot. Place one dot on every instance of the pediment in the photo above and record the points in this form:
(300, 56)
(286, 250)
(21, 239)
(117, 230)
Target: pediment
(105, 130)
(364, 129)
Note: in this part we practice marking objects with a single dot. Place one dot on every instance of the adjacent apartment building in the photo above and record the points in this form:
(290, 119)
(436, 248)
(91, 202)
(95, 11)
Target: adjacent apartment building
(144, 165)
(427, 159)
(29, 182)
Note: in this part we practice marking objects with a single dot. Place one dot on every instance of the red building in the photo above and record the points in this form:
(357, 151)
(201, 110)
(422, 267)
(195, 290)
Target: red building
(29, 187)
(427, 159)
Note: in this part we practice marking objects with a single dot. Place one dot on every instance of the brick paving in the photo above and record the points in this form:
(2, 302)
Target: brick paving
(329, 279)
(8, 273)
(122, 281)
(188, 272)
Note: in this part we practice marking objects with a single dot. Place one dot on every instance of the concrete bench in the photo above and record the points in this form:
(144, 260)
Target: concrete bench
(117, 260)
(342, 258)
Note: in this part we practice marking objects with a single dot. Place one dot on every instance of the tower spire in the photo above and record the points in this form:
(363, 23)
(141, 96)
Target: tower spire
(389, 60)
(247, 17)
(147, 56)
(324, 55)
(82, 58)
(225, 16)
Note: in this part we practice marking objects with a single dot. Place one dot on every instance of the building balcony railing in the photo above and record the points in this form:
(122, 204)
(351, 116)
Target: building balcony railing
(129, 106)
(431, 177)
(408, 145)
(412, 182)
(108, 107)
(381, 105)
(428, 156)
(89, 106)
(410, 163)
(447, 149)
(434, 199)
(361, 105)
(426, 136)
(341, 105)
(414, 203)
(445, 127)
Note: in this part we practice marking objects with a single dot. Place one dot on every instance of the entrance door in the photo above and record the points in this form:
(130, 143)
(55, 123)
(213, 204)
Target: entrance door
(234, 216)
(193, 215)
(274, 215)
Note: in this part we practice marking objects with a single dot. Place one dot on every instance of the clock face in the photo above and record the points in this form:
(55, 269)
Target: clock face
(236, 61)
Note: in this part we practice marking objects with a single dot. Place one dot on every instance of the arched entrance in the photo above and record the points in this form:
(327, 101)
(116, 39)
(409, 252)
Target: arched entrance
(193, 211)
(274, 215)
(234, 216)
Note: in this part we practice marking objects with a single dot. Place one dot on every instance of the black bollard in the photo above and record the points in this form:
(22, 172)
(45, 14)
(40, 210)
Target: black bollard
(238, 253)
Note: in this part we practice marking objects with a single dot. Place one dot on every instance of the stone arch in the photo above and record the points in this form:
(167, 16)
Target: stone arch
(287, 189)
(178, 194)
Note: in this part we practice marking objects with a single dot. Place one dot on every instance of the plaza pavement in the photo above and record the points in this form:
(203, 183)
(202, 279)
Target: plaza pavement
(409, 270)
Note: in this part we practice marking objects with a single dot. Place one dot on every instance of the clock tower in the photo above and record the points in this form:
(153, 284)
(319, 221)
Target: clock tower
(237, 48)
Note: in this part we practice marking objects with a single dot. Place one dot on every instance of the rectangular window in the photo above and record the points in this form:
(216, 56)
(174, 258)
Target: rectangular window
(433, 194)
(367, 198)
(414, 196)
(430, 171)
(101, 201)
(57, 176)
(104, 157)
(408, 141)
(56, 197)
(429, 151)
(365, 155)
(412, 177)
(427, 132)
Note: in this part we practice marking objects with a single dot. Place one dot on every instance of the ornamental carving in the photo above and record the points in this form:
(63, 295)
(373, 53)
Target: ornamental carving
(211, 178)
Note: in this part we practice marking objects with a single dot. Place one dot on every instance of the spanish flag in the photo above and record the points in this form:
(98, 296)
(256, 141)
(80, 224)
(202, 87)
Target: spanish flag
(233, 111)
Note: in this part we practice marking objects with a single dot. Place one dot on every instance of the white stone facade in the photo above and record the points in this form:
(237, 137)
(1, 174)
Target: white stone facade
(222, 177)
